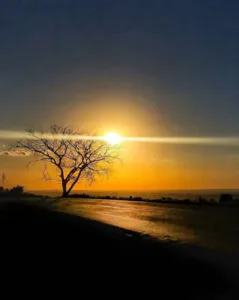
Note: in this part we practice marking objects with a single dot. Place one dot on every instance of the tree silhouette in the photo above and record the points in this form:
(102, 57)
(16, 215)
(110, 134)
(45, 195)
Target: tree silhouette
(72, 156)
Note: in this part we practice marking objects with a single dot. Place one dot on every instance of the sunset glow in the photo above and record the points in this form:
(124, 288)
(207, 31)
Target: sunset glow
(113, 138)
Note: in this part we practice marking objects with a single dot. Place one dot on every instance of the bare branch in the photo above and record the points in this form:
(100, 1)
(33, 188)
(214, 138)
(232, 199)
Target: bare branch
(72, 158)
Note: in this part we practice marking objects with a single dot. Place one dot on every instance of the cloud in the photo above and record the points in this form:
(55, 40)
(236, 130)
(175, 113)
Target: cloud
(15, 153)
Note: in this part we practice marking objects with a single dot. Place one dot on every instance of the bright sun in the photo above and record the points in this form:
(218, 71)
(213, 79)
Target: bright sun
(113, 138)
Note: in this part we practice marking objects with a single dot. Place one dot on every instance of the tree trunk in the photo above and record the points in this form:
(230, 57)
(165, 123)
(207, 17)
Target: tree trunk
(65, 194)
(75, 181)
(64, 191)
(70, 189)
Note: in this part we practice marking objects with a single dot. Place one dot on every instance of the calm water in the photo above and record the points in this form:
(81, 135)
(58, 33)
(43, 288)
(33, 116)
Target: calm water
(212, 227)
(180, 194)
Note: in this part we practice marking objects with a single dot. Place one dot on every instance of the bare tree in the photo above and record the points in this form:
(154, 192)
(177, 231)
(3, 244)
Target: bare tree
(72, 156)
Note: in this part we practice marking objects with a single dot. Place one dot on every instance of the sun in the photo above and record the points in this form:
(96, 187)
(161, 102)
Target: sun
(113, 138)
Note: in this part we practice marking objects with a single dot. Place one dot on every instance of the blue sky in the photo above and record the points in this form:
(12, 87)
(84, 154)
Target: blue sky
(181, 57)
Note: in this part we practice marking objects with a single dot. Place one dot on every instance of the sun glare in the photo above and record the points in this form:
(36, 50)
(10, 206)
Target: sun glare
(113, 138)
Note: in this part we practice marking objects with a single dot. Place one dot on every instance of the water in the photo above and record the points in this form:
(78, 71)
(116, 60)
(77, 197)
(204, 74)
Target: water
(175, 194)
(211, 227)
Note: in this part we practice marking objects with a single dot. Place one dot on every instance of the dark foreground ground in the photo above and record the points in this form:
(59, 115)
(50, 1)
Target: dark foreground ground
(106, 261)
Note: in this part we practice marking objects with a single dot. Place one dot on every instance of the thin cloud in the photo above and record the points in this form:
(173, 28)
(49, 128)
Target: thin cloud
(15, 153)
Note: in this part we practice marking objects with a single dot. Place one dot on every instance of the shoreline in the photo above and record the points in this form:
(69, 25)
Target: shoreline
(224, 199)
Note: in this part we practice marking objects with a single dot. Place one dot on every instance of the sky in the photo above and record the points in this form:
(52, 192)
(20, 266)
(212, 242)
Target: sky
(140, 68)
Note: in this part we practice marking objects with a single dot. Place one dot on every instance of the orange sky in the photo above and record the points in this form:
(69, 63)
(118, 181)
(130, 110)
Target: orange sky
(144, 167)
